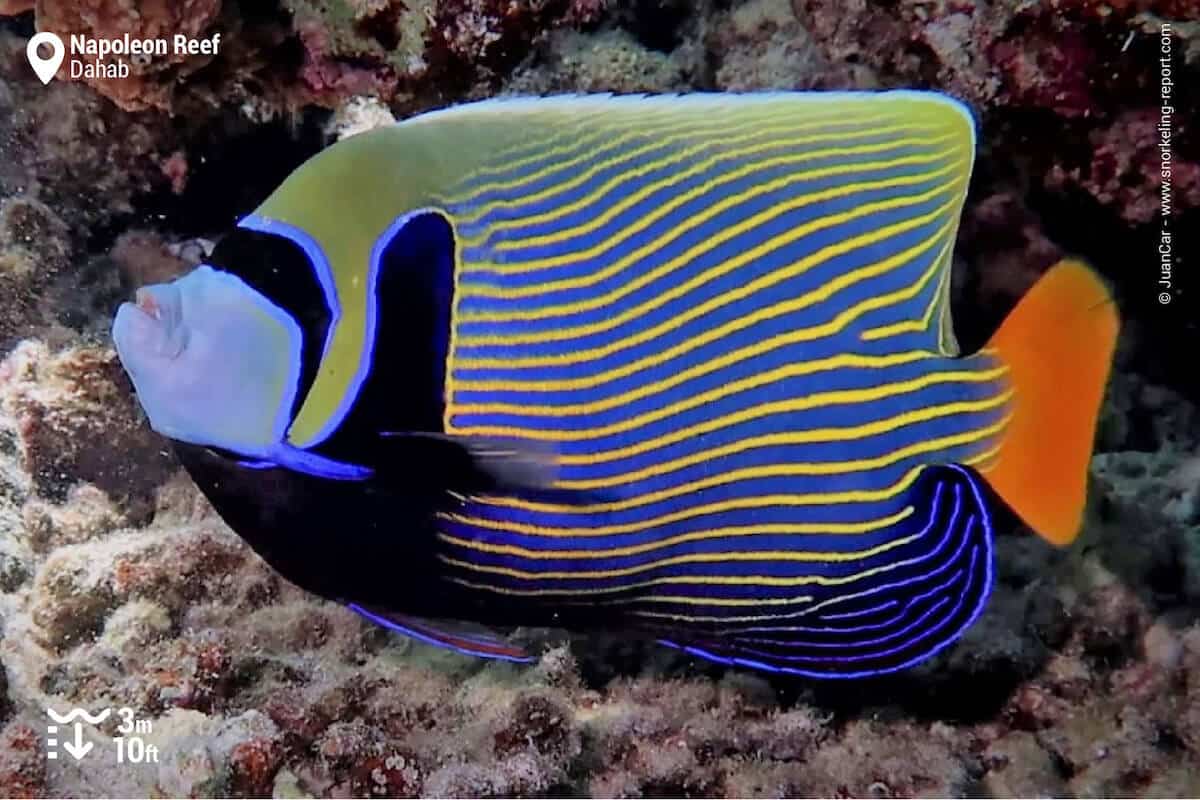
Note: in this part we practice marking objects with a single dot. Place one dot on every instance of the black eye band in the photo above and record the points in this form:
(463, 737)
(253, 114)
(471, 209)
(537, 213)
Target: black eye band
(281, 270)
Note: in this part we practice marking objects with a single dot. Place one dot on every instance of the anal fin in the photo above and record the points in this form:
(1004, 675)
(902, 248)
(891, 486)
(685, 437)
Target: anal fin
(903, 613)
(464, 637)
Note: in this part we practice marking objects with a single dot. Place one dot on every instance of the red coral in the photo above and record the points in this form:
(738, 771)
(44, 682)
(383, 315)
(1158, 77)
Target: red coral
(185, 570)
(493, 34)
(175, 168)
(586, 12)
(329, 77)
(1034, 706)
(193, 673)
(151, 83)
(300, 723)
(22, 763)
(1048, 70)
(1125, 168)
(253, 765)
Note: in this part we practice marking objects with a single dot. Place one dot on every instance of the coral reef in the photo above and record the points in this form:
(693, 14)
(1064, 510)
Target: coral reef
(612, 61)
(763, 45)
(34, 244)
(71, 150)
(119, 587)
(76, 421)
(273, 58)
(1125, 168)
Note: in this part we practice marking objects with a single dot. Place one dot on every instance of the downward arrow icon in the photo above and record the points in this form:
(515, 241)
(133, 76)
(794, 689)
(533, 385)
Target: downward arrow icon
(78, 749)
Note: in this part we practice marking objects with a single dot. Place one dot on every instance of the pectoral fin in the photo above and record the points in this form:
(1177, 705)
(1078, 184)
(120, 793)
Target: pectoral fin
(474, 463)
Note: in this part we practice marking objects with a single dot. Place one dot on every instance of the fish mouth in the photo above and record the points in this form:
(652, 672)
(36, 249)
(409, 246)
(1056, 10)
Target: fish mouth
(154, 319)
(145, 302)
(144, 312)
(144, 327)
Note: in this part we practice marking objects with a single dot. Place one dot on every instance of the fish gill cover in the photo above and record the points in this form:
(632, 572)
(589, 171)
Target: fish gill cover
(121, 588)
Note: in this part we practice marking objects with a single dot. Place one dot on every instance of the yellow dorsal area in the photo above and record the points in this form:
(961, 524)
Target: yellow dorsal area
(346, 197)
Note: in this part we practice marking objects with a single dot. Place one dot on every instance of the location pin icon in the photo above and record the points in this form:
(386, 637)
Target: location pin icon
(45, 67)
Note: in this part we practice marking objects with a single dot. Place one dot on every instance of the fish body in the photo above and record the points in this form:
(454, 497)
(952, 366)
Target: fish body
(680, 365)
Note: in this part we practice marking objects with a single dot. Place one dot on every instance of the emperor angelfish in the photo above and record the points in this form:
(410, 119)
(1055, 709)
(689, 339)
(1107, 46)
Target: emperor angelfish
(676, 365)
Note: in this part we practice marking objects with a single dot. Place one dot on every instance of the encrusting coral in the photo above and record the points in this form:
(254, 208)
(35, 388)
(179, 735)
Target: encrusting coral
(119, 587)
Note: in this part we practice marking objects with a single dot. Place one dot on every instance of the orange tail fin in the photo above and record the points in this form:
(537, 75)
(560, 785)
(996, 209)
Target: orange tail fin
(1058, 344)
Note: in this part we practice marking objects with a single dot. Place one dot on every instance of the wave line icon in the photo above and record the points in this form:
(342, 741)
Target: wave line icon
(78, 713)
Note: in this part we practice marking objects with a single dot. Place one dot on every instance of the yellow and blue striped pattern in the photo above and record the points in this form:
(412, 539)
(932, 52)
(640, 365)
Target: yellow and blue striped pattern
(729, 318)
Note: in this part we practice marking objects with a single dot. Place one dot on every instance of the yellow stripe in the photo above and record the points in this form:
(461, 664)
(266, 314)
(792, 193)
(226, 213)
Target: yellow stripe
(837, 324)
(921, 325)
(699, 370)
(723, 619)
(736, 504)
(645, 390)
(759, 315)
(574, 177)
(757, 131)
(468, 189)
(479, 289)
(705, 580)
(708, 580)
(765, 281)
(720, 601)
(800, 529)
(681, 198)
(694, 401)
(817, 400)
(798, 556)
(750, 351)
(632, 174)
(986, 461)
(796, 268)
(806, 612)
(803, 469)
(580, 133)
(794, 615)
(980, 459)
(682, 599)
(711, 617)
(815, 435)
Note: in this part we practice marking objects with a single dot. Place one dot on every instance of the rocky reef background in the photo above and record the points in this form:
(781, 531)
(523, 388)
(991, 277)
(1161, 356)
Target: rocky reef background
(120, 587)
